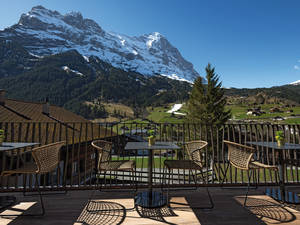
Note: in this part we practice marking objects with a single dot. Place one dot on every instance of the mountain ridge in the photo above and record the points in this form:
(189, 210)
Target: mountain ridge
(67, 79)
(44, 32)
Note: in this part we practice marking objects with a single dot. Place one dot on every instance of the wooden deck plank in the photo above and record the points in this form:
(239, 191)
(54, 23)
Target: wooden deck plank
(66, 209)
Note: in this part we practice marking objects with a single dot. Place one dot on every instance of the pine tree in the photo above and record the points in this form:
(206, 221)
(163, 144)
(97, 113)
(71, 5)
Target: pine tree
(206, 104)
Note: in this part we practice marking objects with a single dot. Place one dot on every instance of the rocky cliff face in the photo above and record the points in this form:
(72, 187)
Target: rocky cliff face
(46, 32)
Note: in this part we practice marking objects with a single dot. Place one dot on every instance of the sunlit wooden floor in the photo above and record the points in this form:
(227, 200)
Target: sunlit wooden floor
(70, 209)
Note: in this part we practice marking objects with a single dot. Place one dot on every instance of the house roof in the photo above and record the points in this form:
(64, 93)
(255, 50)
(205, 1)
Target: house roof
(22, 111)
(25, 121)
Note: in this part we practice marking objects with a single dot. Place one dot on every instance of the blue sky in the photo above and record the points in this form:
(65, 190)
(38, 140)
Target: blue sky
(252, 43)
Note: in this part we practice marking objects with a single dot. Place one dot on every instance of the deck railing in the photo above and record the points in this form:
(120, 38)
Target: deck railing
(78, 159)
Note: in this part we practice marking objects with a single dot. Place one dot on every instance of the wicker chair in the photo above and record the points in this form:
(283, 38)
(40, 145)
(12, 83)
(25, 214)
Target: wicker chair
(46, 160)
(194, 163)
(105, 164)
(241, 157)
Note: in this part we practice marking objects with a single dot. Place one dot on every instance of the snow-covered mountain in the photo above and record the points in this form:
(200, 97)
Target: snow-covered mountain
(295, 83)
(44, 32)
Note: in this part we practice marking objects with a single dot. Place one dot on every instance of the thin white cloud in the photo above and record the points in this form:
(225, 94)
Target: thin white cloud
(296, 67)
(299, 60)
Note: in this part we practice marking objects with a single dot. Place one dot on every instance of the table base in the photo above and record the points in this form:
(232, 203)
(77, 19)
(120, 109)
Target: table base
(6, 201)
(150, 199)
(290, 197)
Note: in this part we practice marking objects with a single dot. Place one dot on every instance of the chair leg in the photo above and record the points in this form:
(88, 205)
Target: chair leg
(41, 201)
(93, 193)
(224, 175)
(41, 198)
(96, 186)
(202, 175)
(168, 188)
(277, 178)
(256, 180)
(166, 182)
(195, 178)
(170, 171)
(133, 173)
(208, 194)
(44, 194)
(248, 187)
(212, 205)
(106, 190)
(195, 181)
(24, 183)
(100, 189)
(135, 180)
(163, 181)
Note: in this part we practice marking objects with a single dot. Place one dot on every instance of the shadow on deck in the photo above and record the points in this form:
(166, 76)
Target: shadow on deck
(70, 209)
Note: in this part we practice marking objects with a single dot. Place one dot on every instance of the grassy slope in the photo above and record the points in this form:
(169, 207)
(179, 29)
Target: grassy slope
(239, 112)
(159, 114)
(111, 107)
(114, 107)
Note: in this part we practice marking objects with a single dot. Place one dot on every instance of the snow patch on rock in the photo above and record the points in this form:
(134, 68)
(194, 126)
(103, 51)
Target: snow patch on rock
(67, 69)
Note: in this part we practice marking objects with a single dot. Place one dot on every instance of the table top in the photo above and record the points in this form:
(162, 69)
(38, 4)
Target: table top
(145, 145)
(6, 146)
(274, 145)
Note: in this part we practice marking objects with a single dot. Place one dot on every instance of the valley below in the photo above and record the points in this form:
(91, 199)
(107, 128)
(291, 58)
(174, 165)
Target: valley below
(266, 113)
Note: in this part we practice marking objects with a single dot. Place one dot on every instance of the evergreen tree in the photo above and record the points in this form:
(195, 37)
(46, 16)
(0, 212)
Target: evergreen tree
(206, 104)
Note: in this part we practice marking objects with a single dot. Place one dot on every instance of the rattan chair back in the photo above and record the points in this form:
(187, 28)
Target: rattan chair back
(46, 157)
(104, 152)
(239, 155)
(194, 151)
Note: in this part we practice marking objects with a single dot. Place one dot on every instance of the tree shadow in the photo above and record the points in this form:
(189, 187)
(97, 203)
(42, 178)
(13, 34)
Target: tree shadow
(102, 212)
(267, 209)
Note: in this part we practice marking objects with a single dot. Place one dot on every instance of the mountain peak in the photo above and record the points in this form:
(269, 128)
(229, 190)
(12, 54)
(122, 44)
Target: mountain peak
(74, 14)
(43, 32)
(153, 37)
(38, 18)
(39, 9)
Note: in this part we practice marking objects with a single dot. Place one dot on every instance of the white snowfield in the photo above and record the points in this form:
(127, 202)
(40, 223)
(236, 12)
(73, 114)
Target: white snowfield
(175, 108)
(295, 82)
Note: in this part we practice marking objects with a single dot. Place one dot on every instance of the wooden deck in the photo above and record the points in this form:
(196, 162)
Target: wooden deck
(70, 209)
